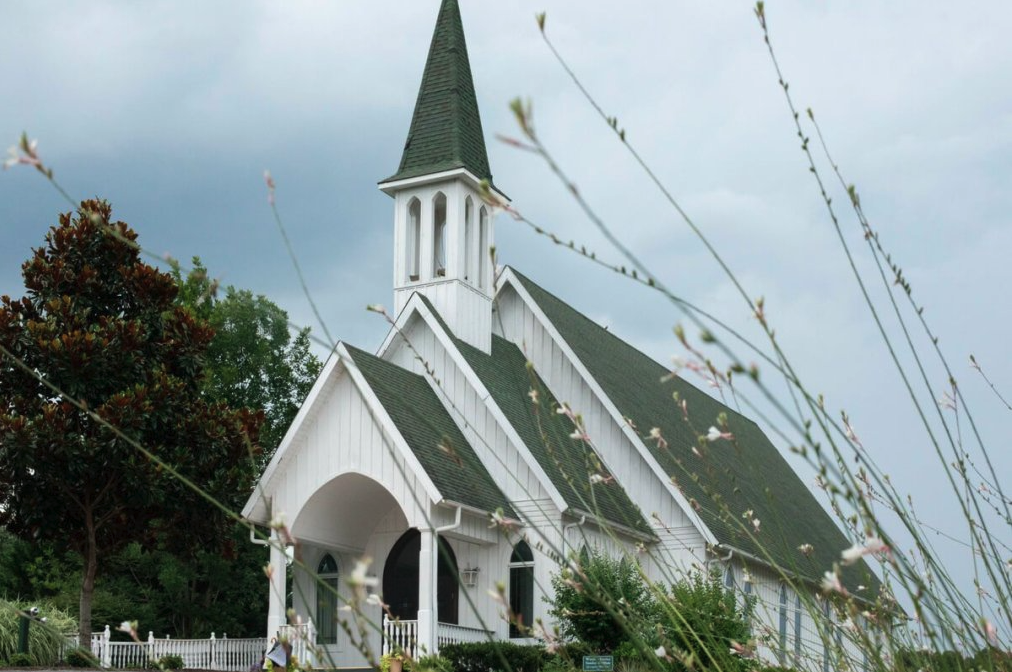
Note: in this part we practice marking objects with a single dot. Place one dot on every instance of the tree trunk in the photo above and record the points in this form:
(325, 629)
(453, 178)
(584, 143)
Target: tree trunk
(87, 583)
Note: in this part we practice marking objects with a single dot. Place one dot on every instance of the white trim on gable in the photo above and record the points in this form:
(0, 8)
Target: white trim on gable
(326, 374)
(331, 370)
(416, 305)
(507, 277)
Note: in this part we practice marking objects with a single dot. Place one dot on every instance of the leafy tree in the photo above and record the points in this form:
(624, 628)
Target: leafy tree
(602, 603)
(103, 327)
(253, 361)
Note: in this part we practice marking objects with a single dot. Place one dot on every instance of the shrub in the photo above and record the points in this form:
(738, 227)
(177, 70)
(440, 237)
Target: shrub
(701, 616)
(489, 656)
(603, 603)
(80, 657)
(170, 662)
(45, 639)
(432, 664)
(21, 660)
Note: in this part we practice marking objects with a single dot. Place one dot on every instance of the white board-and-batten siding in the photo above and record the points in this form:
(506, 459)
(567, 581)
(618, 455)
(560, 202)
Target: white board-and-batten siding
(679, 536)
(342, 435)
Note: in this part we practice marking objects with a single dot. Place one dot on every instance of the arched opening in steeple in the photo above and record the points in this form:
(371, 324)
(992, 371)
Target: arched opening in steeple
(414, 240)
(469, 240)
(439, 235)
(483, 258)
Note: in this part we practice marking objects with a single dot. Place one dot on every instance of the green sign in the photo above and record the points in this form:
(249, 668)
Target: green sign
(598, 663)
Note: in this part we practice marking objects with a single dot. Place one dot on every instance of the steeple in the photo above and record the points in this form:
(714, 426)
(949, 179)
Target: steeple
(445, 130)
(443, 229)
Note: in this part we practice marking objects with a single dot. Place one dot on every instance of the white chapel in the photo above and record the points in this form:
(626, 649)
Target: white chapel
(497, 430)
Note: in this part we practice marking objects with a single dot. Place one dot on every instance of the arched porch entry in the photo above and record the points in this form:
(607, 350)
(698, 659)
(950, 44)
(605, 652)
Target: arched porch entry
(401, 579)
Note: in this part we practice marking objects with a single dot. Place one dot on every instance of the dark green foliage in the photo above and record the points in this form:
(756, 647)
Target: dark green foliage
(701, 616)
(490, 656)
(80, 658)
(103, 327)
(171, 662)
(21, 660)
(432, 664)
(984, 660)
(587, 606)
(253, 361)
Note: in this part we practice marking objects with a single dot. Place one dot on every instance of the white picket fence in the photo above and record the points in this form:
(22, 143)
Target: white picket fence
(227, 655)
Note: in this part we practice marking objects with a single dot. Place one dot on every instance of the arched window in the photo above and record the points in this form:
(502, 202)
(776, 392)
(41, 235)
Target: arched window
(483, 248)
(439, 235)
(729, 578)
(825, 638)
(782, 653)
(521, 588)
(469, 239)
(797, 630)
(414, 241)
(400, 579)
(747, 590)
(326, 601)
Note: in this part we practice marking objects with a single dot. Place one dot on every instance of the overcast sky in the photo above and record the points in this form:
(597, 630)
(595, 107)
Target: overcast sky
(172, 110)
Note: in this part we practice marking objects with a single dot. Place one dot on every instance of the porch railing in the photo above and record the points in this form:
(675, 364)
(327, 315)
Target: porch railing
(403, 635)
(448, 633)
(228, 655)
(302, 638)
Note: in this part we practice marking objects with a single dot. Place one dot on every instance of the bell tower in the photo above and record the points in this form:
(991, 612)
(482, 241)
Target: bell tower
(443, 229)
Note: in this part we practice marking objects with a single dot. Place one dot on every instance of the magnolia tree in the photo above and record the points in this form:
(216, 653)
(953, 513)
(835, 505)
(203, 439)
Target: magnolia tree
(105, 436)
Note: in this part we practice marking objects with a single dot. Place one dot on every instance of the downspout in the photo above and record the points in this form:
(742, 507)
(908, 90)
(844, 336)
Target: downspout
(565, 530)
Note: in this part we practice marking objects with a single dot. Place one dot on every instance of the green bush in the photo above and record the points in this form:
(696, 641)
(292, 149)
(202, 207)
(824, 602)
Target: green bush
(489, 656)
(80, 657)
(701, 616)
(432, 664)
(170, 662)
(603, 603)
(21, 660)
(46, 640)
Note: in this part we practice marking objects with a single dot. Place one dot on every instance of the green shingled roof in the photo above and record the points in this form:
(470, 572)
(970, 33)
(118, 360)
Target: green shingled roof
(445, 130)
(568, 462)
(425, 425)
(747, 474)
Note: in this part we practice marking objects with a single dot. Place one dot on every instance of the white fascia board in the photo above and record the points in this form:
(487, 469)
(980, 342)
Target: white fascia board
(390, 188)
(330, 370)
(507, 277)
(387, 424)
(416, 305)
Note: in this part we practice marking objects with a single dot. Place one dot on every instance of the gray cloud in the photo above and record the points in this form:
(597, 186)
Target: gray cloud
(171, 110)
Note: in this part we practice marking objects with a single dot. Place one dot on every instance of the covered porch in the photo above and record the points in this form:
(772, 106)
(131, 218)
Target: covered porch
(432, 567)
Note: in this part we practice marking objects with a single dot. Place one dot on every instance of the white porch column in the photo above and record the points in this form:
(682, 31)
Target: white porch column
(276, 616)
(427, 567)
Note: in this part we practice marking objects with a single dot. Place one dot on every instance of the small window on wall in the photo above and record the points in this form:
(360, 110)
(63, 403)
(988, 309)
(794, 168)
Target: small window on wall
(521, 589)
(439, 235)
(747, 590)
(469, 239)
(326, 601)
(782, 652)
(483, 259)
(797, 629)
(729, 578)
(414, 240)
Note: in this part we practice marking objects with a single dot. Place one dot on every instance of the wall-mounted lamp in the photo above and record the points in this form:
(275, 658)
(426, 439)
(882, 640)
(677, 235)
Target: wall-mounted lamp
(469, 576)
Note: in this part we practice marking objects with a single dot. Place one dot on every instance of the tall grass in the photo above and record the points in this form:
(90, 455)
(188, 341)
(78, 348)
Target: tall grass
(46, 640)
(923, 606)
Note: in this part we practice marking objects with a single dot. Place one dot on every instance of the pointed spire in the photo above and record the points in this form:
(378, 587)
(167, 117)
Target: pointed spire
(445, 130)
